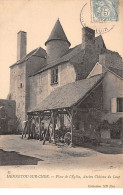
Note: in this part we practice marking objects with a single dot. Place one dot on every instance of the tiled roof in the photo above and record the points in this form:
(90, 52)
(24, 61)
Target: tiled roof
(57, 33)
(118, 72)
(39, 52)
(71, 52)
(74, 54)
(68, 95)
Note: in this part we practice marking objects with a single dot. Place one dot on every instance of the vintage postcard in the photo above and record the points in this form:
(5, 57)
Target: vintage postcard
(61, 94)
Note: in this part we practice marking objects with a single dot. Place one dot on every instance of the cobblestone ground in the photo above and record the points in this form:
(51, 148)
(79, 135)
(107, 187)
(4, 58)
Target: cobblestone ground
(17, 151)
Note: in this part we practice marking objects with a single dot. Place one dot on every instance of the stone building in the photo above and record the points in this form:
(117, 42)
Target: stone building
(8, 118)
(61, 77)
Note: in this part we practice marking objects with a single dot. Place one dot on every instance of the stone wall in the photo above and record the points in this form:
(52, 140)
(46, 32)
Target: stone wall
(33, 65)
(18, 89)
(19, 84)
(40, 85)
(112, 88)
(56, 49)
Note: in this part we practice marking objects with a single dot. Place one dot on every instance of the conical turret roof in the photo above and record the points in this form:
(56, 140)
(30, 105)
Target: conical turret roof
(57, 33)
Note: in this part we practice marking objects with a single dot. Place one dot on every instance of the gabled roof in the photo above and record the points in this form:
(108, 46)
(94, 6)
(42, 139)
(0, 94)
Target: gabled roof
(57, 33)
(68, 95)
(98, 69)
(39, 52)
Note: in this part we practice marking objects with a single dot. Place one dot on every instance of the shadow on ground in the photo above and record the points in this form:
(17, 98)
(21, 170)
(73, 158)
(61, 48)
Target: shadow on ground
(105, 149)
(14, 158)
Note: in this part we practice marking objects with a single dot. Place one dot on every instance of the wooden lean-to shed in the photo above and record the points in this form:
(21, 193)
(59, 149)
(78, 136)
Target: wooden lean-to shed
(77, 98)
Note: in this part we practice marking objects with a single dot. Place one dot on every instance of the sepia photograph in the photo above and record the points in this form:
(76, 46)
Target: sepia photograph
(61, 94)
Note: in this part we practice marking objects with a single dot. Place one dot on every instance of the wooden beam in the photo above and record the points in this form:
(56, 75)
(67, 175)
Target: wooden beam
(71, 115)
(53, 120)
(39, 128)
(71, 127)
(28, 126)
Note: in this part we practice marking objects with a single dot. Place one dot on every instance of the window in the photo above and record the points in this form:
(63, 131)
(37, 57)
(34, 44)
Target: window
(119, 104)
(20, 85)
(54, 75)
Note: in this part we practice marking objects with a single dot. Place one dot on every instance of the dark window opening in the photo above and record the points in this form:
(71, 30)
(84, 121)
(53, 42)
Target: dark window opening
(119, 104)
(20, 85)
(54, 75)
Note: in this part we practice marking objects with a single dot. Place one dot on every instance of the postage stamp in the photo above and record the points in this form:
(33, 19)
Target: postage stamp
(104, 10)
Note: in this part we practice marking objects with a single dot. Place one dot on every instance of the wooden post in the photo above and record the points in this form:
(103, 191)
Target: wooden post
(40, 127)
(71, 123)
(22, 132)
(28, 126)
(72, 127)
(53, 120)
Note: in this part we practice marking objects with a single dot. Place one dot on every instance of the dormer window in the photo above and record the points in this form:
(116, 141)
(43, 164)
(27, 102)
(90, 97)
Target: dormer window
(54, 75)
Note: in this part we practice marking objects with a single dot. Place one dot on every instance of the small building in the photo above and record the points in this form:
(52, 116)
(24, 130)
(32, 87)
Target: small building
(8, 119)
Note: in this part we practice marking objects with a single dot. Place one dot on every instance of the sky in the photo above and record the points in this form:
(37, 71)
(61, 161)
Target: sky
(37, 18)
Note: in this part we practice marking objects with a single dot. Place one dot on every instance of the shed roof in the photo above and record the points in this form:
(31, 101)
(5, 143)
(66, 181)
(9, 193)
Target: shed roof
(57, 33)
(68, 95)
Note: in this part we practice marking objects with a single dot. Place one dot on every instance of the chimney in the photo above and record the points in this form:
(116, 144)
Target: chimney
(88, 38)
(105, 61)
(21, 44)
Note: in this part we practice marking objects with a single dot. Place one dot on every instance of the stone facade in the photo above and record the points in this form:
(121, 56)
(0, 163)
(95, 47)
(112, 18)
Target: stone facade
(40, 84)
(56, 49)
(30, 77)
(19, 83)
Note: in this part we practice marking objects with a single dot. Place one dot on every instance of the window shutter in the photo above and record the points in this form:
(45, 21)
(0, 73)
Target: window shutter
(113, 105)
(51, 75)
